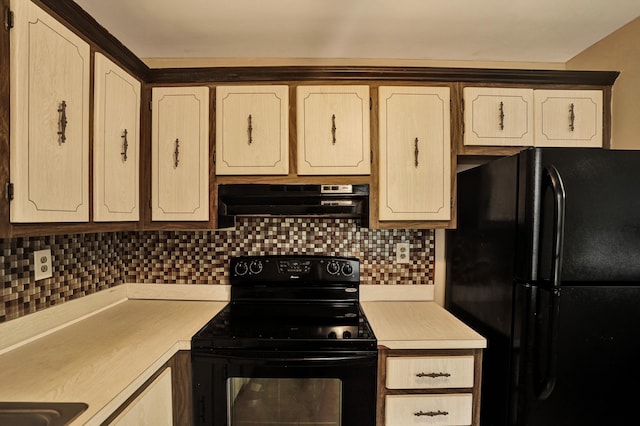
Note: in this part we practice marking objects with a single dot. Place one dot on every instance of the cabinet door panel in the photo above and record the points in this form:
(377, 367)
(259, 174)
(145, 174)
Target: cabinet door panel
(252, 130)
(49, 119)
(333, 130)
(180, 153)
(415, 157)
(568, 118)
(498, 116)
(152, 407)
(116, 143)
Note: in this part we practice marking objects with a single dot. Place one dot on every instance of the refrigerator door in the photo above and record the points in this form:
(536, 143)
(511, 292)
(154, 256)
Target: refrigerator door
(596, 374)
(602, 223)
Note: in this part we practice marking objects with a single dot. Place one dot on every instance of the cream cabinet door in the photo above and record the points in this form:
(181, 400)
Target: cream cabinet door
(252, 130)
(154, 406)
(498, 116)
(415, 153)
(116, 142)
(333, 130)
(49, 119)
(568, 118)
(180, 153)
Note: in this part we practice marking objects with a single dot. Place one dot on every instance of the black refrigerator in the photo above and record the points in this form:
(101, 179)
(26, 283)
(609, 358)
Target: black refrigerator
(545, 263)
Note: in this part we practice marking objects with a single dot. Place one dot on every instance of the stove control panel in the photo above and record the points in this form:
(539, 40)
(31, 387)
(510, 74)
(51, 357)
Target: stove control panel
(294, 268)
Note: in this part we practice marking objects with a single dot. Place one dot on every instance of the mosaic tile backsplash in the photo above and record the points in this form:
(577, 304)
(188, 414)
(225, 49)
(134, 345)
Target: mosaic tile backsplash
(86, 263)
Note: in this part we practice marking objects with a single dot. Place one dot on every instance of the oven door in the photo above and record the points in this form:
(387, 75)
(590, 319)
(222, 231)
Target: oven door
(241, 388)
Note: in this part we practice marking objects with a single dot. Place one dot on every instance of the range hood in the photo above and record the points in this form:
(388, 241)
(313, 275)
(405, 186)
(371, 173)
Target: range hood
(292, 200)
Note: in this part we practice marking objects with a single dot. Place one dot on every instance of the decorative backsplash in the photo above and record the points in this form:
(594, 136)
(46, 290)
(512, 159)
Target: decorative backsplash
(86, 263)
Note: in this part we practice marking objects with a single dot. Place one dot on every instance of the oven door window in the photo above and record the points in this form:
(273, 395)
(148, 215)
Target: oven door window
(284, 401)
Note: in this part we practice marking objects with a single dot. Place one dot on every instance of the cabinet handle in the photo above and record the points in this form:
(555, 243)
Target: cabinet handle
(431, 413)
(501, 116)
(62, 122)
(333, 128)
(572, 118)
(433, 375)
(125, 145)
(416, 151)
(250, 130)
(176, 153)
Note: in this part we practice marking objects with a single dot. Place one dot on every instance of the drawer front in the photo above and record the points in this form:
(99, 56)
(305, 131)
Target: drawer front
(429, 372)
(405, 410)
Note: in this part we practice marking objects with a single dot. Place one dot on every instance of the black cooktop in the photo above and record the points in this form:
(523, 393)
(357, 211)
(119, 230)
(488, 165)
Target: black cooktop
(290, 303)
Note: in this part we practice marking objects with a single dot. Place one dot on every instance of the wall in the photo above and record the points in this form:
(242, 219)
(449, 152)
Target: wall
(86, 263)
(620, 51)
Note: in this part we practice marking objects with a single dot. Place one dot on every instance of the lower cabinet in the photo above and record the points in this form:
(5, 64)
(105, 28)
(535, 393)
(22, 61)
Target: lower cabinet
(152, 406)
(164, 399)
(435, 387)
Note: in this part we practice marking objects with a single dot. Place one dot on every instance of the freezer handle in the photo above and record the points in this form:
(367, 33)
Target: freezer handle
(544, 386)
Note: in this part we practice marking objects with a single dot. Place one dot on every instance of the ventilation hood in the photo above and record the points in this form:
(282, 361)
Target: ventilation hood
(292, 200)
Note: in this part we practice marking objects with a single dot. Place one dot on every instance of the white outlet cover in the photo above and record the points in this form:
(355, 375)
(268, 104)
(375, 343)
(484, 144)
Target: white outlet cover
(403, 254)
(42, 264)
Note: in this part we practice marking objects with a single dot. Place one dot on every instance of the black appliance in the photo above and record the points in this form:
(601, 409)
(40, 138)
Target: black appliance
(292, 347)
(293, 200)
(545, 263)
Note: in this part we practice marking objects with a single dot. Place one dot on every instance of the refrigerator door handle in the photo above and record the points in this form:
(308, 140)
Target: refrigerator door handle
(545, 386)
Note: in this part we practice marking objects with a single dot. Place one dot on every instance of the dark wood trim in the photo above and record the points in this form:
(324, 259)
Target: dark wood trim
(5, 102)
(369, 73)
(85, 25)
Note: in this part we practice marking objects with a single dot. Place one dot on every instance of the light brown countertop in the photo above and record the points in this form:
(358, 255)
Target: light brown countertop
(419, 325)
(104, 358)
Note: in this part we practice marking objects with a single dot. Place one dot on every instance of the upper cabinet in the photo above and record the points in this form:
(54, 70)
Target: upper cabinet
(333, 130)
(252, 130)
(180, 154)
(571, 118)
(116, 143)
(415, 154)
(498, 116)
(50, 75)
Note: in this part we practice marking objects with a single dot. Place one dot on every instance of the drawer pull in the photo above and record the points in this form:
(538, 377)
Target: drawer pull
(433, 375)
(62, 122)
(431, 413)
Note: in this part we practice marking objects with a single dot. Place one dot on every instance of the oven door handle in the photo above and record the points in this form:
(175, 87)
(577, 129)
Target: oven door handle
(321, 359)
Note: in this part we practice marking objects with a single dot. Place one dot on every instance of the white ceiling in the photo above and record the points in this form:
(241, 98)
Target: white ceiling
(450, 30)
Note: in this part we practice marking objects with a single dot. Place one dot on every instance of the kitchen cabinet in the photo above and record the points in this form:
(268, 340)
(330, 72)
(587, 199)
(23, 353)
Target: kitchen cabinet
(441, 387)
(414, 153)
(568, 118)
(180, 154)
(116, 143)
(333, 130)
(152, 407)
(252, 130)
(498, 116)
(49, 146)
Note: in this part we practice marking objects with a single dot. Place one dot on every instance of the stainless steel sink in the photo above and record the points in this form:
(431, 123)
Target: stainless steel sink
(39, 413)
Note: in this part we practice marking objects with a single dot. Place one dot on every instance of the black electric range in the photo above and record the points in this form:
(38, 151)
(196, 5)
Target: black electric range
(290, 302)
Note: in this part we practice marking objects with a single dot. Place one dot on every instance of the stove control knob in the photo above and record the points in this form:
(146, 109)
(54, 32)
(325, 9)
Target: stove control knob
(241, 268)
(346, 334)
(333, 267)
(347, 270)
(255, 267)
(332, 335)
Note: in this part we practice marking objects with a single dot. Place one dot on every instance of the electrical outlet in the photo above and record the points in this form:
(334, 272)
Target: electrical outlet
(42, 264)
(402, 253)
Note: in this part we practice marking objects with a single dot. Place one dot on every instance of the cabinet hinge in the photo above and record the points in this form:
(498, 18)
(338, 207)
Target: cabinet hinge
(8, 19)
(371, 156)
(214, 157)
(463, 127)
(370, 104)
(9, 191)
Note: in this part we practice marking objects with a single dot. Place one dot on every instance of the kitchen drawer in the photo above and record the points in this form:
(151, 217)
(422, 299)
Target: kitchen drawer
(451, 409)
(429, 372)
